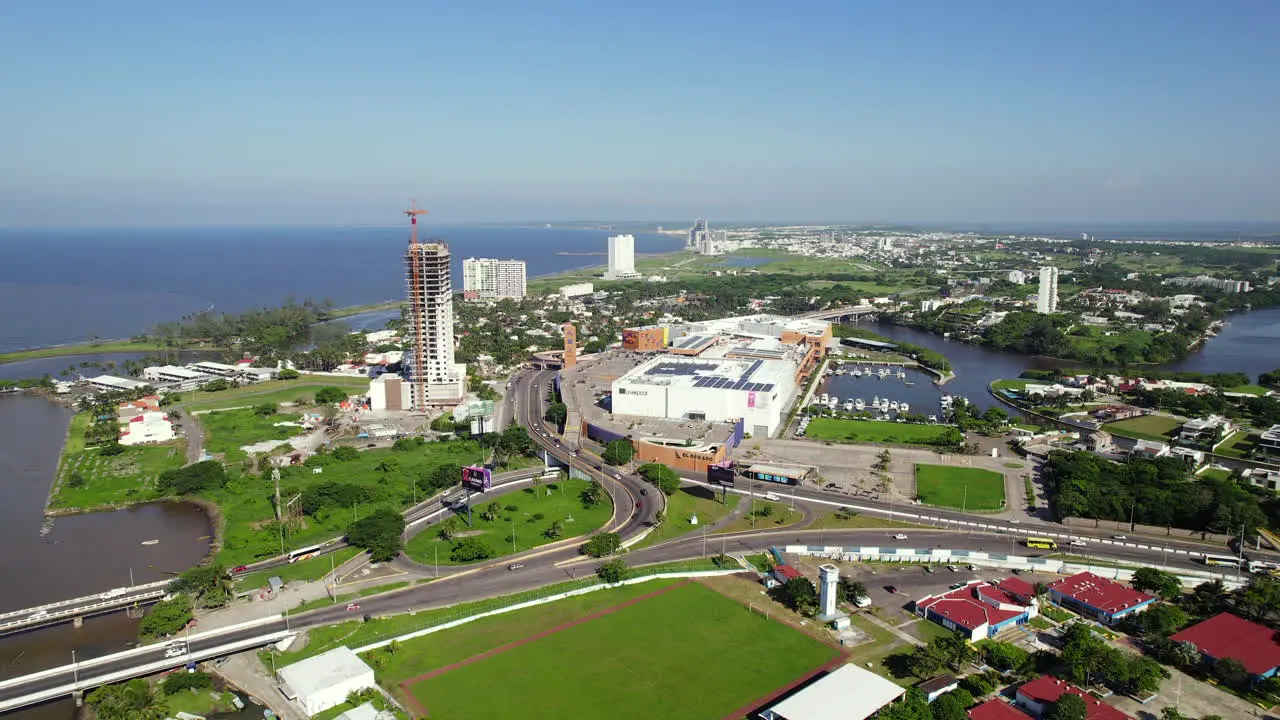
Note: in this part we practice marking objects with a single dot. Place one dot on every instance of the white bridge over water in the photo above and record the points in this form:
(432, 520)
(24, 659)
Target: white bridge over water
(76, 609)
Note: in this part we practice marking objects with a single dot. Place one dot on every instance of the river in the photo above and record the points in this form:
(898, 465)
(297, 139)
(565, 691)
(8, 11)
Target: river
(1247, 343)
(81, 555)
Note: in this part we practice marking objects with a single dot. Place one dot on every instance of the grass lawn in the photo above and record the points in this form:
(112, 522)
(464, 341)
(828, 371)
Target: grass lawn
(301, 571)
(1148, 427)
(1214, 473)
(829, 521)
(1256, 390)
(227, 431)
(524, 513)
(1014, 465)
(945, 486)
(1238, 445)
(200, 702)
(780, 515)
(1040, 623)
(926, 630)
(1018, 384)
(272, 391)
(673, 646)
(873, 431)
(249, 533)
(1055, 613)
(127, 477)
(688, 502)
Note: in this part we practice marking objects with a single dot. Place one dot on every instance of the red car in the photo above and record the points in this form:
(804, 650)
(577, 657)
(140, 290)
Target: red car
(239, 569)
(352, 607)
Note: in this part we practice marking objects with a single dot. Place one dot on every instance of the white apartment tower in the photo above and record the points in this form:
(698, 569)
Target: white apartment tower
(434, 378)
(1017, 277)
(1047, 299)
(622, 258)
(489, 279)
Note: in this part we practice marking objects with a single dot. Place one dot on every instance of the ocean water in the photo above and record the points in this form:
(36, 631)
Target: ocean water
(66, 286)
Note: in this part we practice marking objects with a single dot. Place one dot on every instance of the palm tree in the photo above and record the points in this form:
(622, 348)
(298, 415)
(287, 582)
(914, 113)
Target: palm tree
(554, 530)
(491, 512)
(537, 485)
(447, 529)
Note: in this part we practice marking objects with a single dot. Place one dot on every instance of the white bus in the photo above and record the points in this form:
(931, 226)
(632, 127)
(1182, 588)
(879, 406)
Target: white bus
(1222, 560)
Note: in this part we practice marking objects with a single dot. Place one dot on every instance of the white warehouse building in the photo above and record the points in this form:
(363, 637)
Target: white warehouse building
(713, 389)
(324, 681)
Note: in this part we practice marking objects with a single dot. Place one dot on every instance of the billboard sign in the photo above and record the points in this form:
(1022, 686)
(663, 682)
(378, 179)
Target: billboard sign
(477, 478)
(721, 475)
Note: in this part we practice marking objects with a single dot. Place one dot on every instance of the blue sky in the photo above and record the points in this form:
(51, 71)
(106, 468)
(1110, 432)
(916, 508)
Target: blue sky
(234, 113)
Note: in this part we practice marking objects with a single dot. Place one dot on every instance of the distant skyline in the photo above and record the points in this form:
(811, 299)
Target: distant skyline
(150, 113)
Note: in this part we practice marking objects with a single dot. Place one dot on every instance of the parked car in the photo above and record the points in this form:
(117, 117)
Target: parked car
(953, 568)
(928, 568)
(862, 601)
(891, 588)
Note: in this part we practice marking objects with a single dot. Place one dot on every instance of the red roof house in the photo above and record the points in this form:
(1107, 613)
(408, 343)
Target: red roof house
(786, 573)
(1098, 597)
(979, 609)
(1038, 695)
(996, 709)
(1226, 636)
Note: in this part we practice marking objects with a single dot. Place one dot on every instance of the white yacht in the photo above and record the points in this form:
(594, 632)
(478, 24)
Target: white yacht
(893, 405)
(857, 372)
(884, 404)
(859, 405)
(822, 400)
(848, 406)
(875, 401)
(904, 407)
(901, 374)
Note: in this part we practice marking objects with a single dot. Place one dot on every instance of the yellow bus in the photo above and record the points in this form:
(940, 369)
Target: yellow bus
(1041, 542)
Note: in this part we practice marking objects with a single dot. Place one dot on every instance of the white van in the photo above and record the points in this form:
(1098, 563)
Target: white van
(862, 601)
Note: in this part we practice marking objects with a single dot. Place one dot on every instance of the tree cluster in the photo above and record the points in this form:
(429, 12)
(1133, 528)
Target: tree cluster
(131, 700)
(167, 617)
(661, 477)
(798, 594)
(602, 544)
(1090, 660)
(379, 532)
(618, 452)
(1156, 491)
(193, 479)
(210, 585)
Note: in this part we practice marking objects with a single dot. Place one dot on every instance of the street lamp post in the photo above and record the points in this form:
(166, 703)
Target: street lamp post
(75, 670)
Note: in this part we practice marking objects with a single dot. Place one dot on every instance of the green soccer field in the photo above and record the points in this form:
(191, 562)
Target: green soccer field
(697, 653)
(960, 487)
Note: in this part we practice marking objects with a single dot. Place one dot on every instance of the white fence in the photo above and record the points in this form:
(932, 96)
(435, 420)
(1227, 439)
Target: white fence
(540, 601)
(942, 556)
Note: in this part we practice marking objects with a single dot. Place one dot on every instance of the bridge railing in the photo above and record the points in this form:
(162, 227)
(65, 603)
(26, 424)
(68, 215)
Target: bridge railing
(91, 609)
(64, 603)
(140, 650)
(90, 680)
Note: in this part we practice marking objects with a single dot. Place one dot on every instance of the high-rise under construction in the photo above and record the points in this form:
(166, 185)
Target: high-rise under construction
(434, 378)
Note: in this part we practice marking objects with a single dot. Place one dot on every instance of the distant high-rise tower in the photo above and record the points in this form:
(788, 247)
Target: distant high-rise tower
(828, 577)
(570, 345)
(622, 257)
(1047, 299)
(435, 379)
(697, 235)
(489, 279)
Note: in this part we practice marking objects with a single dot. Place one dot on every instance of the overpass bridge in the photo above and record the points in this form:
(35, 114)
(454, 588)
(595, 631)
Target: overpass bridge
(75, 609)
(842, 313)
(78, 677)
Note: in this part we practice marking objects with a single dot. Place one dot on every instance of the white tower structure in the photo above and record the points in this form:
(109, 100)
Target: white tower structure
(1047, 299)
(828, 576)
(622, 257)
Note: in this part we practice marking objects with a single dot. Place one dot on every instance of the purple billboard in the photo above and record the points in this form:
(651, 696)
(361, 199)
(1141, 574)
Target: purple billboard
(477, 478)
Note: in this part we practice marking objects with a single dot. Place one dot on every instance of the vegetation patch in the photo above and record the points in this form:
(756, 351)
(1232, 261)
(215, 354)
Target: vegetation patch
(1148, 427)
(871, 431)
(678, 640)
(960, 487)
(511, 523)
(227, 431)
(686, 504)
(89, 478)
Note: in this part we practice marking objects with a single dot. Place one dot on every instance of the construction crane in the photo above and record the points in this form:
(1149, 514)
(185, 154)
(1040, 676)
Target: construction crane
(413, 212)
(417, 297)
